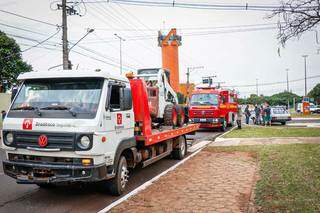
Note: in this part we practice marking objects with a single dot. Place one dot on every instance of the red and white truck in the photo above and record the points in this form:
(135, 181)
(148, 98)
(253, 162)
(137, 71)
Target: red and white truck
(86, 126)
(213, 107)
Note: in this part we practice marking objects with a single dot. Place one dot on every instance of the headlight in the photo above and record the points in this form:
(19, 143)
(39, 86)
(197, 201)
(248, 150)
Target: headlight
(84, 142)
(9, 138)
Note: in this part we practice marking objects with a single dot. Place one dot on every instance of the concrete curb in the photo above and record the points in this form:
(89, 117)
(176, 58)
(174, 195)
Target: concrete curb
(220, 137)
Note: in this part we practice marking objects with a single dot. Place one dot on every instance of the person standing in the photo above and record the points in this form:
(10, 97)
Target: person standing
(247, 114)
(239, 117)
(263, 115)
(267, 115)
(257, 113)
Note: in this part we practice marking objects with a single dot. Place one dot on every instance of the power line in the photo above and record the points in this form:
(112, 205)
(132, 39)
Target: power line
(84, 48)
(274, 83)
(20, 28)
(231, 7)
(189, 28)
(192, 34)
(31, 19)
(41, 42)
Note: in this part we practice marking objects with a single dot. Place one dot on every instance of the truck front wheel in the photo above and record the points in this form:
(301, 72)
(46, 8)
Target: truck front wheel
(119, 182)
(180, 151)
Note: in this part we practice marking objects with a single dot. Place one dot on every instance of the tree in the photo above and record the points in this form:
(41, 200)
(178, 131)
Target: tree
(296, 17)
(281, 98)
(315, 93)
(11, 63)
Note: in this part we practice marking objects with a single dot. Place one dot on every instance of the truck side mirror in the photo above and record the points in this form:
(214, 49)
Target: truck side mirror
(125, 99)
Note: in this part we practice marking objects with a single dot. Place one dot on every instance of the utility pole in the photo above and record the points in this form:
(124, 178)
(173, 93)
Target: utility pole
(66, 10)
(120, 39)
(305, 74)
(257, 85)
(190, 69)
(65, 51)
(287, 80)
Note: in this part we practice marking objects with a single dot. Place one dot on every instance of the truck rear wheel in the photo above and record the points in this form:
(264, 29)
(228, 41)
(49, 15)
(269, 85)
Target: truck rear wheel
(180, 152)
(181, 116)
(119, 182)
(170, 116)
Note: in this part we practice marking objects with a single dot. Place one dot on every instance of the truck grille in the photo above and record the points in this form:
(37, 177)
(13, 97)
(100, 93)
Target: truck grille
(202, 113)
(62, 141)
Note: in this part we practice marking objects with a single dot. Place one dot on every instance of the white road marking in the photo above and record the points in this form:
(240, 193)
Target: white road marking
(220, 136)
(198, 146)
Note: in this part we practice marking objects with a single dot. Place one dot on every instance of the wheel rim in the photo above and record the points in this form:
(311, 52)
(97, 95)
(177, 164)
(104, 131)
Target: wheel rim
(124, 175)
(183, 148)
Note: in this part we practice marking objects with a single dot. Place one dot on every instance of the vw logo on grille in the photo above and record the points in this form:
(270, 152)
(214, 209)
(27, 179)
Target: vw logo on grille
(43, 141)
(203, 112)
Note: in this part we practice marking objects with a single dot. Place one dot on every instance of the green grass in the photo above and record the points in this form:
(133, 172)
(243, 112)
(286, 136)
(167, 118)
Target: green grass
(305, 116)
(264, 132)
(289, 176)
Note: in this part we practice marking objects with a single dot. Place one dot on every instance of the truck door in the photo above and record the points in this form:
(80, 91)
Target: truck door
(120, 108)
(118, 118)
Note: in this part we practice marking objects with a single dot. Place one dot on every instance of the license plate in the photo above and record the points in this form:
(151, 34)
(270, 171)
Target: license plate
(203, 120)
(23, 177)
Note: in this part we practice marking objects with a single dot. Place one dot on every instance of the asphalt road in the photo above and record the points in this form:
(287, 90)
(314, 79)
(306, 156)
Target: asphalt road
(76, 198)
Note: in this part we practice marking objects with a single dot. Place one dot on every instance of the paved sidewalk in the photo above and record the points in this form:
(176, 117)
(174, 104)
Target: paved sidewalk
(208, 182)
(264, 141)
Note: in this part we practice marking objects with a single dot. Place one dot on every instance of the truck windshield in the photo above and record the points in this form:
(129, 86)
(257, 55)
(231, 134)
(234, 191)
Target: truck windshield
(148, 71)
(204, 100)
(61, 98)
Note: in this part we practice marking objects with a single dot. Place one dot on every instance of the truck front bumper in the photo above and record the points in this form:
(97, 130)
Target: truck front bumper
(207, 122)
(32, 173)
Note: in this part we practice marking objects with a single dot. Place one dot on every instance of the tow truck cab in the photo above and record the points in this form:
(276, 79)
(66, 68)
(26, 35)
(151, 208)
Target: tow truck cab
(67, 126)
(212, 108)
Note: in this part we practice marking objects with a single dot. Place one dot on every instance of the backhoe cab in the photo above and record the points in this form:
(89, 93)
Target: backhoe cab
(163, 101)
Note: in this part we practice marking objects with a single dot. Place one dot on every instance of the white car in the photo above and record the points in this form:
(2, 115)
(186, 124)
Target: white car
(280, 114)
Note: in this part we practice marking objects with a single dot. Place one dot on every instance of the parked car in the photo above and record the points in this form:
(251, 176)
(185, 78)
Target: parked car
(280, 114)
(315, 109)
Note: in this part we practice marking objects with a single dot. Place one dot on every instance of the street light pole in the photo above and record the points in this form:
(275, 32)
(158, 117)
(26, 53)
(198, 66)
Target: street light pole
(120, 40)
(88, 32)
(189, 69)
(305, 74)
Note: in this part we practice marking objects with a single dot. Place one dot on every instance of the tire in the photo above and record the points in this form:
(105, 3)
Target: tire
(118, 183)
(180, 152)
(283, 123)
(224, 125)
(181, 116)
(170, 116)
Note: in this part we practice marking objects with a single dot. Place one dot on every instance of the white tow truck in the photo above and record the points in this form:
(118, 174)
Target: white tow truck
(85, 126)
